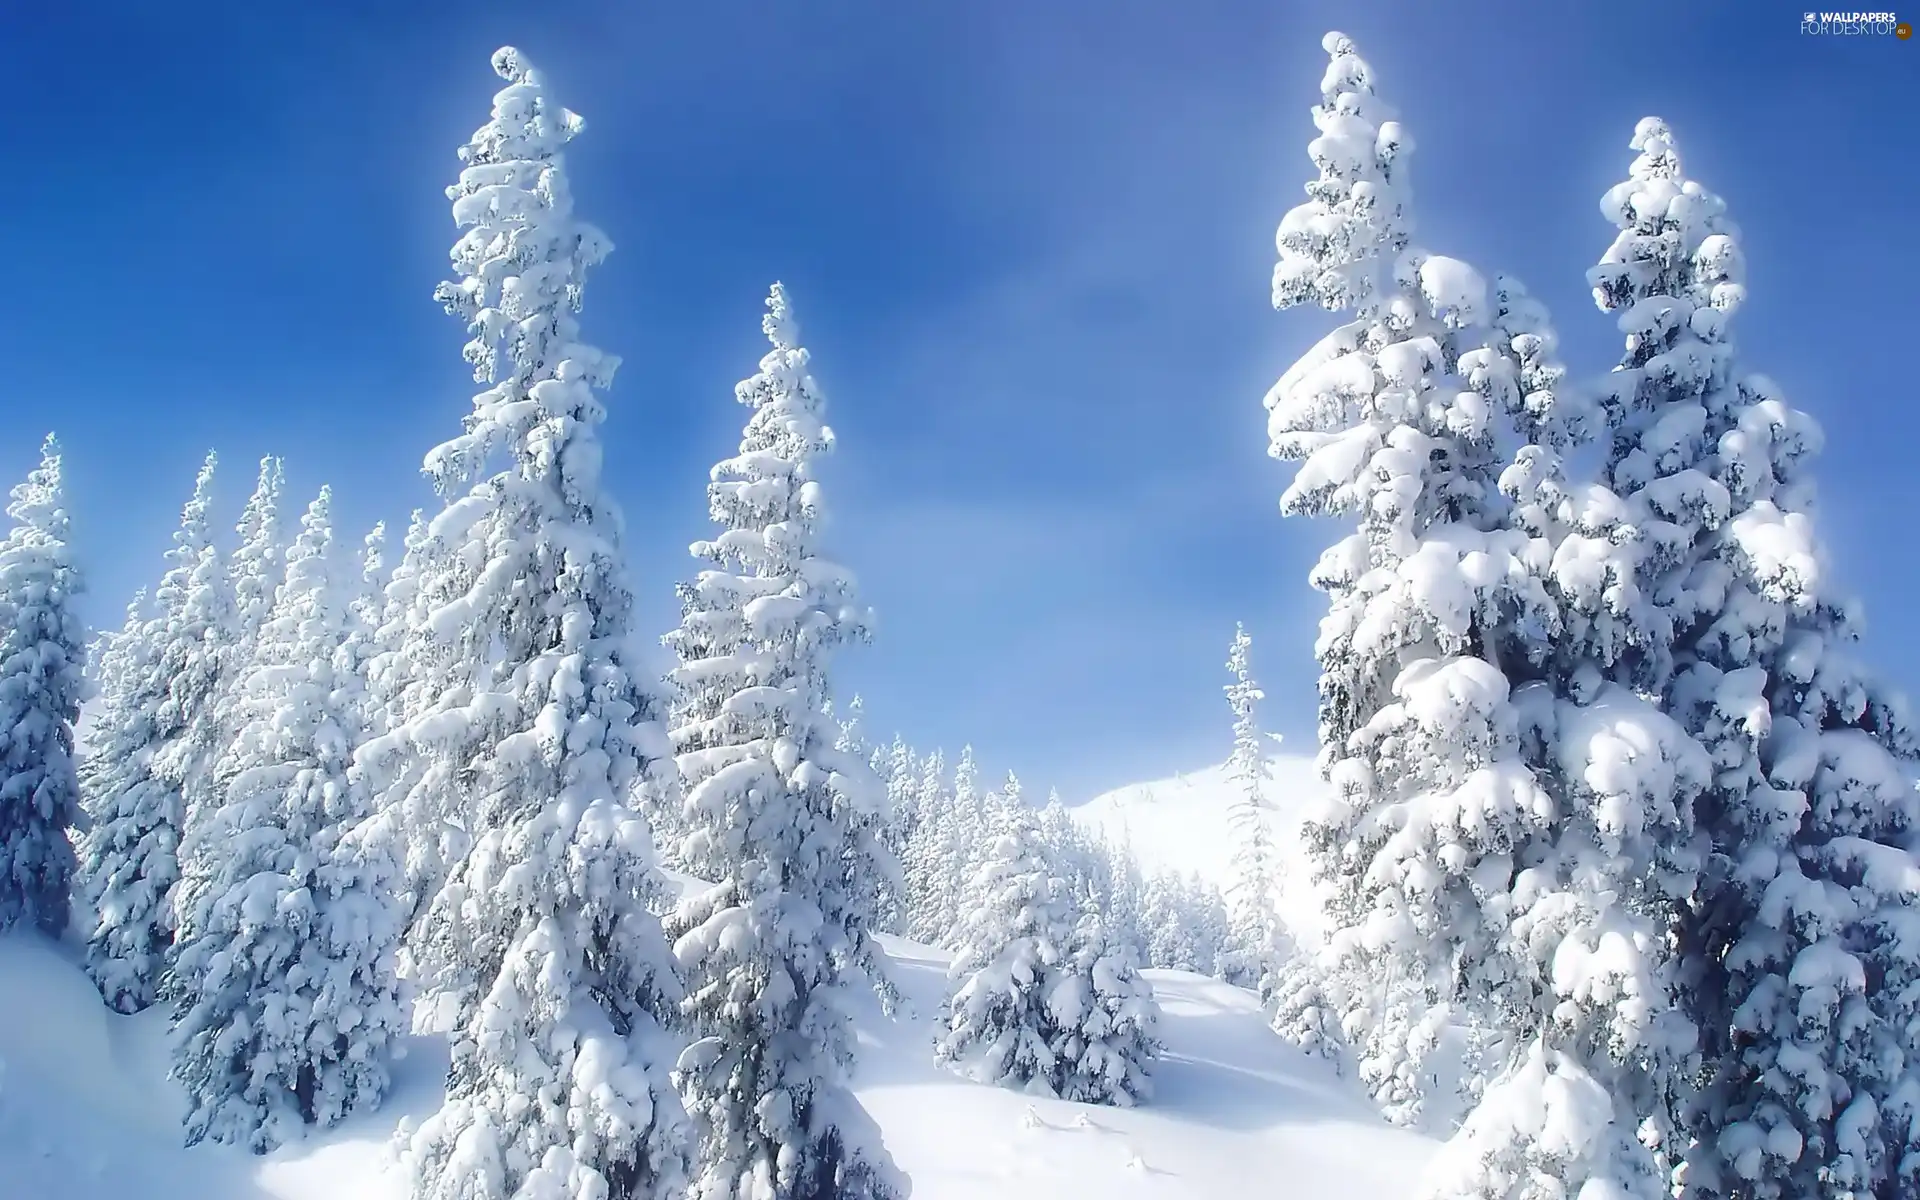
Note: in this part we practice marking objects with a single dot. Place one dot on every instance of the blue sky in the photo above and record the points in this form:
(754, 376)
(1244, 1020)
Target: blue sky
(1030, 246)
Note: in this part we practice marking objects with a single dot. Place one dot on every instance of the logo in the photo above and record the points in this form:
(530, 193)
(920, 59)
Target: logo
(1855, 24)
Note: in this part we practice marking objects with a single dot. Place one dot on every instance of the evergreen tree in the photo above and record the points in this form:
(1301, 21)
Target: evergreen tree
(922, 867)
(406, 667)
(1123, 895)
(1078, 858)
(1106, 1020)
(395, 633)
(42, 681)
(256, 565)
(875, 863)
(1043, 999)
(151, 734)
(285, 951)
(1509, 833)
(538, 950)
(365, 603)
(996, 1025)
(1800, 945)
(784, 816)
(1256, 926)
(110, 661)
(963, 834)
(900, 772)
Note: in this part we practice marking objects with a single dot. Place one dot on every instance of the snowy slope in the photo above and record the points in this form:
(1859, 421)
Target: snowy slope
(1183, 824)
(86, 1112)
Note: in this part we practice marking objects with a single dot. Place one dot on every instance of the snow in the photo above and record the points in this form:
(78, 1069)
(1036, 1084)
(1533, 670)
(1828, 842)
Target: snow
(86, 1112)
(1184, 824)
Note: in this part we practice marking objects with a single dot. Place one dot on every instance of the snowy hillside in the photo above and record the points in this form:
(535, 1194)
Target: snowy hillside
(1184, 824)
(86, 1112)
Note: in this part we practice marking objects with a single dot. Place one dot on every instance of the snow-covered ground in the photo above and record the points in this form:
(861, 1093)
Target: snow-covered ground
(86, 1111)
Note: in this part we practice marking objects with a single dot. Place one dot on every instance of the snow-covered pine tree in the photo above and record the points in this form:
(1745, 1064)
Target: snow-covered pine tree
(1802, 941)
(1194, 928)
(365, 602)
(255, 567)
(996, 1025)
(395, 633)
(1079, 859)
(110, 660)
(899, 771)
(539, 950)
(949, 845)
(1384, 429)
(922, 868)
(784, 816)
(1106, 1020)
(285, 955)
(253, 573)
(42, 682)
(1043, 998)
(1001, 803)
(406, 667)
(1122, 895)
(963, 833)
(1254, 940)
(1507, 833)
(875, 862)
(146, 746)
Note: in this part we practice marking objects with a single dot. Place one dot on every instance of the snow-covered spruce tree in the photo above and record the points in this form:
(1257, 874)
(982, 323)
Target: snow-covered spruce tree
(1079, 858)
(256, 563)
(1187, 923)
(1043, 999)
(1122, 894)
(394, 633)
(538, 951)
(1508, 834)
(784, 817)
(1105, 1018)
(899, 770)
(253, 572)
(921, 867)
(996, 1026)
(140, 755)
(365, 604)
(962, 834)
(42, 681)
(949, 842)
(1250, 896)
(1801, 943)
(285, 954)
(406, 667)
(875, 862)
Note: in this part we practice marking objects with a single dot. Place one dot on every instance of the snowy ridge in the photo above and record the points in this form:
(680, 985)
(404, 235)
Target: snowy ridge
(86, 1112)
(1184, 824)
